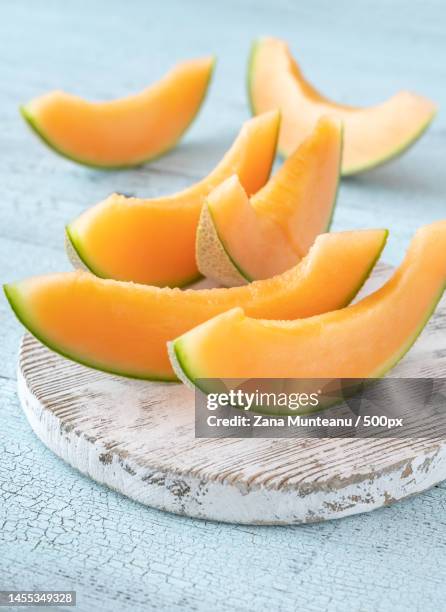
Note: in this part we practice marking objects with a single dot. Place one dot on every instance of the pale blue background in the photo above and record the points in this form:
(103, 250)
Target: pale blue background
(58, 529)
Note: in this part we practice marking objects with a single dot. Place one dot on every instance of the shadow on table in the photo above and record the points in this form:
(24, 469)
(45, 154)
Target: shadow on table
(407, 173)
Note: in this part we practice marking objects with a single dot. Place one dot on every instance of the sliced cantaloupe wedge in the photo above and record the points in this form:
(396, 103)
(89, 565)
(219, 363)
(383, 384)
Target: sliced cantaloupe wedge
(372, 135)
(123, 327)
(123, 132)
(153, 240)
(240, 239)
(361, 341)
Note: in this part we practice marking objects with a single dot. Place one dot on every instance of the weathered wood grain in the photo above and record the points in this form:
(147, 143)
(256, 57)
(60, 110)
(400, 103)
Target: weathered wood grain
(137, 437)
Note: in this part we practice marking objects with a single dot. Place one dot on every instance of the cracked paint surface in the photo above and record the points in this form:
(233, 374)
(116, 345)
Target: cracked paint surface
(59, 528)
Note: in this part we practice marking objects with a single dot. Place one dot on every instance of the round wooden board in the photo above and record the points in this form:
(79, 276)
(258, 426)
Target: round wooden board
(137, 437)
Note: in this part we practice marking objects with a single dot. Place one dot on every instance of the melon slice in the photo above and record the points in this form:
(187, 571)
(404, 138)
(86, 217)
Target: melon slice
(361, 341)
(240, 239)
(153, 240)
(372, 135)
(124, 327)
(124, 132)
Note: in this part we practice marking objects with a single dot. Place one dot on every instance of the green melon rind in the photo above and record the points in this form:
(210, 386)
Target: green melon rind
(178, 355)
(231, 274)
(177, 359)
(72, 252)
(368, 271)
(338, 184)
(184, 371)
(33, 123)
(400, 150)
(213, 249)
(412, 339)
(250, 73)
(234, 274)
(78, 259)
(15, 299)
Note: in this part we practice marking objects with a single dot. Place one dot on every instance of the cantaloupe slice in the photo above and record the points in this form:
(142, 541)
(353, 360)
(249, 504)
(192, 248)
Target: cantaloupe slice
(372, 135)
(123, 132)
(124, 327)
(361, 341)
(240, 239)
(153, 240)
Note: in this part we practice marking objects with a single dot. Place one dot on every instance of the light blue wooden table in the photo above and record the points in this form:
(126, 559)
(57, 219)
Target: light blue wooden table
(58, 529)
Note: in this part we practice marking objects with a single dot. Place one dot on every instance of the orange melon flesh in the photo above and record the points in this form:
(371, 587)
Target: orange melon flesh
(153, 240)
(372, 135)
(124, 327)
(272, 231)
(123, 132)
(361, 341)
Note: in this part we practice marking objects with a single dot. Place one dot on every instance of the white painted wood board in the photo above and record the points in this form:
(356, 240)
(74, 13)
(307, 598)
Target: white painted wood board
(137, 437)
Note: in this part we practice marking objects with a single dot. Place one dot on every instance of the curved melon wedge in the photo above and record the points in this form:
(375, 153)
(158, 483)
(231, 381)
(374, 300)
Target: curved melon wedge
(240, 239)
(124, 132)
(124, 328)
(362, 341)
(152, 241)
(372, 135)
